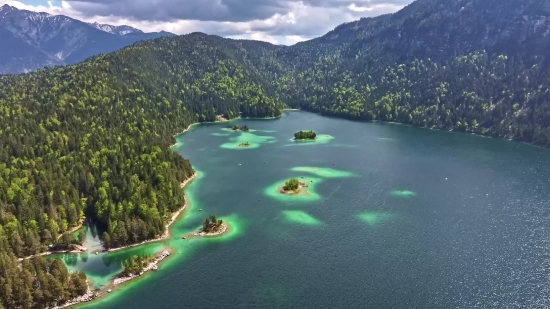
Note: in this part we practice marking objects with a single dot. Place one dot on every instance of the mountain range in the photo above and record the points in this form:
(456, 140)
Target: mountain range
(32, 40)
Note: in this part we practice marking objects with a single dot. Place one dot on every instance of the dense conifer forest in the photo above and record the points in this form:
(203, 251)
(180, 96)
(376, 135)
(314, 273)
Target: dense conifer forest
(37, 283)
(91, 140)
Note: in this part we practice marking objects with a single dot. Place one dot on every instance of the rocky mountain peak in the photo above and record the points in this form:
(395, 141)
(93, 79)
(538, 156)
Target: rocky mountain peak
(39, 39)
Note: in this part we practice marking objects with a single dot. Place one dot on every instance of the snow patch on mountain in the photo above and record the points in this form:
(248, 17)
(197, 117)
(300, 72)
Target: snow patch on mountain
(118, 30)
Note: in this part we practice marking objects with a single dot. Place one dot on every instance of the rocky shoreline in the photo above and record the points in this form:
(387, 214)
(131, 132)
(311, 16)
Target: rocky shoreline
(152, 266)
(79, 249)
(201, 233)
(89, 296)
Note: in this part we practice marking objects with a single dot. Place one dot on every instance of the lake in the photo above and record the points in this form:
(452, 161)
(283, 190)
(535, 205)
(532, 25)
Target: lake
(394, 217)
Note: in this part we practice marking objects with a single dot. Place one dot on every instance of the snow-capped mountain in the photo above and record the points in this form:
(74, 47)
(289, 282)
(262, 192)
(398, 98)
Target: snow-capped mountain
(32, 40)
(119, 30)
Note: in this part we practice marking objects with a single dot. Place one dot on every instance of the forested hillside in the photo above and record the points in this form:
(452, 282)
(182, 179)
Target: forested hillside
(91, 140)
(37, 283)
(469, 65)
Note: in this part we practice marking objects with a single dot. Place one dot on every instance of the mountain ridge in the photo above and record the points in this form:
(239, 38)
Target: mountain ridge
(58, 39)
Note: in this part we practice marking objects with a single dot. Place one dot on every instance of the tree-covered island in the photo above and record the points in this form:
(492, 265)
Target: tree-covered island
(305, 135)
(293, 186)
(213, 225)
(244, 128)
(245, 144)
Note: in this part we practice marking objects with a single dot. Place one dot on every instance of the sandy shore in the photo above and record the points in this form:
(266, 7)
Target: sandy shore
(152, 266)
(166, 233)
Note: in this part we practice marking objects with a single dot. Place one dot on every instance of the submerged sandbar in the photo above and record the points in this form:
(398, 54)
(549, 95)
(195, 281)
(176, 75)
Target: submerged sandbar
(323, 171)
(300, 217)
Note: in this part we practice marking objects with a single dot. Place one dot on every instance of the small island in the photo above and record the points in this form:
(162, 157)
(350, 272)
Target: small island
(244, 128)
(212, 226)
(293, 186)
(245, 144)
(305, 135)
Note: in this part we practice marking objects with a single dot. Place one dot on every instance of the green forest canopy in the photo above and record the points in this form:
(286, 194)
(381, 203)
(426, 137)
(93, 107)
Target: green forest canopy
(291, 185)
(305, 135)
(37, 283)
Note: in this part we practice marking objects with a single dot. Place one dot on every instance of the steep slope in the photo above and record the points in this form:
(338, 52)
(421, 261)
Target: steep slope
(93, 138)
(17, 56)
(471, 65)
(60, 39)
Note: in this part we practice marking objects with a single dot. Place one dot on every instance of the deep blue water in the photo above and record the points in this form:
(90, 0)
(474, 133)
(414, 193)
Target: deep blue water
(429, 219)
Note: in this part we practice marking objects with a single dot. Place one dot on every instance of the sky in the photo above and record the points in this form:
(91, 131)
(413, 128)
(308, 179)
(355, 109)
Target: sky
(275, 21)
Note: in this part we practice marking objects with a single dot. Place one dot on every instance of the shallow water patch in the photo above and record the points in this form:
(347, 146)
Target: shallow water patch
(219, 134)
(300, 217)
(374, 218)
(402, 193)
(247, 140)
(326, 172)
(386, 139)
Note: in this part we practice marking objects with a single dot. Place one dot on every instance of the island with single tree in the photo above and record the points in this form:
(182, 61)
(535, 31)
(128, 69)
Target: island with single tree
(293, 186)
(305, 135)
(244, 128)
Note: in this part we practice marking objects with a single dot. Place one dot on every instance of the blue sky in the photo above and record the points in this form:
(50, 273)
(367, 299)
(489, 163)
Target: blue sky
(41, 2)
(275, 21)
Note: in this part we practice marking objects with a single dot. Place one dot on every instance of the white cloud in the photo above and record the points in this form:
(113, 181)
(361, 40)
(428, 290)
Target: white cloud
(292, 21)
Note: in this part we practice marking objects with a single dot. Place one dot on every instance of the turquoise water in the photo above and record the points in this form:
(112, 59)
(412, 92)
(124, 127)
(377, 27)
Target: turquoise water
(397, 217)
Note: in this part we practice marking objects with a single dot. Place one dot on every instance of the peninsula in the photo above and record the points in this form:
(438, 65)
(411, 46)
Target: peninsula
(136, 266)
(305, 135)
